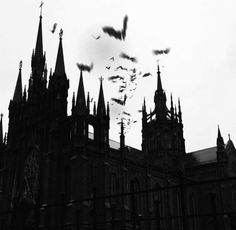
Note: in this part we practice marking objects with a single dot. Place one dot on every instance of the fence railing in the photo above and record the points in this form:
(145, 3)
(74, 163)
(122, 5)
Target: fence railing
(186, 205)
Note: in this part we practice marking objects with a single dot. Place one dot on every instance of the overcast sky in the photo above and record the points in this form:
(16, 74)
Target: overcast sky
(200, 68)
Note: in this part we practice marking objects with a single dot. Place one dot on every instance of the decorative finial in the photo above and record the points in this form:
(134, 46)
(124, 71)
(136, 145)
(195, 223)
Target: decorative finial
(1, 115)
(20, 64)
(101, 78)
(158, 66)
(229, 136)
(60, 33)
(41, 6)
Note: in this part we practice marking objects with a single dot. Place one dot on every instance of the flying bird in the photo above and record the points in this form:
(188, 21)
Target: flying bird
(120, 67)
(120, 101)
(157, 52)
(133, 77)
(112, 58)
(118, 34)
(147, 74)
(128, 114)
(108, 67)
(54, 28)
(121, 90)
(114, 77)
(124, 27)
(96, 38)
(112, 32)
(125, 56)
(83, 67)
(133, 70)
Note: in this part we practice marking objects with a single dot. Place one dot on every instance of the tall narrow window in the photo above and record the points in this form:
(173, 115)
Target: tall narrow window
(91, 132)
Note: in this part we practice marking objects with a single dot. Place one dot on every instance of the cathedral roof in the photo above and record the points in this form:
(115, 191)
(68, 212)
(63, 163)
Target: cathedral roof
(200, 157)
(207, 155)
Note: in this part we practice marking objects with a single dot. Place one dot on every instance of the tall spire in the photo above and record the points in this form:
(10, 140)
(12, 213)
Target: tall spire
(220, 146)
(60, 66)
(159, 85)
(180, 113)
(144, 105)
(18, 89)
(1, 130)
(160, 98)
(101, 102)
(39, 41)
(220, 140)
(80, 100)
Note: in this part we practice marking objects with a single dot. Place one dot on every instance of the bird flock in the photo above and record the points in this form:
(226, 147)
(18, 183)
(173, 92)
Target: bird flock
(124, 77)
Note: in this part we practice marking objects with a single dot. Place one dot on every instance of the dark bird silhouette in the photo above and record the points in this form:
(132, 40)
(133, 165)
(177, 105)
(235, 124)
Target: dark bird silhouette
(121, 90)
(54, 28)
(125, 56)
(158, 52)
(133, 70)
(133, 77)
(83, 67)
(120, 35)
(120, 101)
(123, 32)
(125, 97)
(114, 77)
(120, 67)
(112, 58)
(140, 111)
(112, 32)
(108, 67)
(96, 38)
(128, 114)
(147, 74)
(134, 121)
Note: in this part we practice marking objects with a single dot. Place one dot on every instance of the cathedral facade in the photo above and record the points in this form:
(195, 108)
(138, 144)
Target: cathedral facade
(55, 174)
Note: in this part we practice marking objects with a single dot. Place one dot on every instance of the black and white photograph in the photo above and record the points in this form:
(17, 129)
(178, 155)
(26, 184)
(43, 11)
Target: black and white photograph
(118, 115)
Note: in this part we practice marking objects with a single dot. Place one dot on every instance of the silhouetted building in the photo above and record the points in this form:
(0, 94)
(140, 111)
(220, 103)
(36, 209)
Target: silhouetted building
(52, 168)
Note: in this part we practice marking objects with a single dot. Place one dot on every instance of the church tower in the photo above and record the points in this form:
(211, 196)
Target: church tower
(58, 86)
(80, 114)
(102, 121)
(162, 132)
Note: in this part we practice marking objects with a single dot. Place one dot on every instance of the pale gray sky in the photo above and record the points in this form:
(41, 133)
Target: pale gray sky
(200, 68)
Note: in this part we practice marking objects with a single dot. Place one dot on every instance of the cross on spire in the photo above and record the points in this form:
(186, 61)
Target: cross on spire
(101, 78)
(41, 6)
